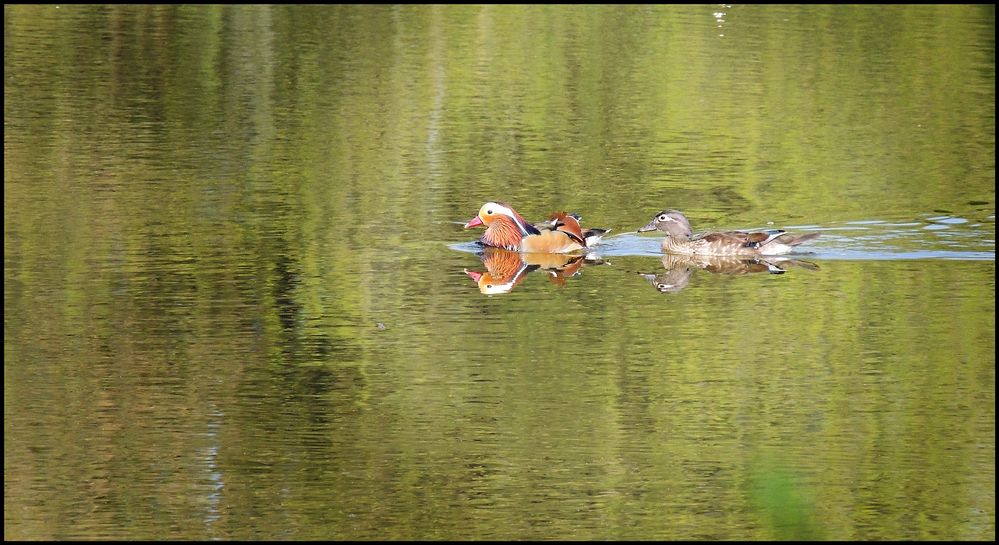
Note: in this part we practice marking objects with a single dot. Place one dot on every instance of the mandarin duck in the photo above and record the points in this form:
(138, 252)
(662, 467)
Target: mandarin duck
(680, 239)
(507, 229)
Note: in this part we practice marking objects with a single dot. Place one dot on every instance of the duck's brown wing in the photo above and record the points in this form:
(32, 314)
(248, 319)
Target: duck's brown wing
(738, 238)
(725, 238)
(568, 224)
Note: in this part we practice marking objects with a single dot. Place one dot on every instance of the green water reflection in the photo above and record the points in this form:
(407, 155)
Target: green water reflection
(235, 303)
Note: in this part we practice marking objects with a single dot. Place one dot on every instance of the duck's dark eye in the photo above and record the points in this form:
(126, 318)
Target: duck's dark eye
(489, 286)
(662, 217)
(489, 212)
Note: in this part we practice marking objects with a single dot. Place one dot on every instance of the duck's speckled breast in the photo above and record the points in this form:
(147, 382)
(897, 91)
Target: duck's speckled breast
(674, 245)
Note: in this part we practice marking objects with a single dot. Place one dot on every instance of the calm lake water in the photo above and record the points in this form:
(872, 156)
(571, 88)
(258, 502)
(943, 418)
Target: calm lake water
(239, 302)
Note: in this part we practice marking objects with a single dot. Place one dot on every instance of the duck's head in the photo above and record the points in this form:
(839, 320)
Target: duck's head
(668, 221)
(489, 213)
(494, 211)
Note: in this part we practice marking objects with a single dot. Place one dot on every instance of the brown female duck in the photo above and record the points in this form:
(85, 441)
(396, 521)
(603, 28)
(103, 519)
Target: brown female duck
(680, 239)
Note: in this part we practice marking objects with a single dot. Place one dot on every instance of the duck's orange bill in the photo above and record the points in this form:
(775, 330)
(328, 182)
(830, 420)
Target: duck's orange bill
(474, 222)
(475, 276)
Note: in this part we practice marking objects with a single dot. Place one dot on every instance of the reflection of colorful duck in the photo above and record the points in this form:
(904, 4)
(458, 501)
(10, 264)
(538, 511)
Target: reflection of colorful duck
(680, 239)
(679, 268)
(505, 228)
(506, 269)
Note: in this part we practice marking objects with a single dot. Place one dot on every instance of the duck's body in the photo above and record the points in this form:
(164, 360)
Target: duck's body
(680, 239)
(592, 236)
(507, 229)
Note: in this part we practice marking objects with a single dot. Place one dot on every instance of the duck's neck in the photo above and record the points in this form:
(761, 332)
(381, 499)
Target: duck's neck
(677, 245)
(503, 233)
(677, 231)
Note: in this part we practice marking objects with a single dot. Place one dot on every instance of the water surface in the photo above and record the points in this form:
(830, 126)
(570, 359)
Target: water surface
(236, 303)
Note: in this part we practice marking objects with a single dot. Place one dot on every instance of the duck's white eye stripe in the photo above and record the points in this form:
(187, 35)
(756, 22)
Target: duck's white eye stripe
(502, 210)
(525, 228)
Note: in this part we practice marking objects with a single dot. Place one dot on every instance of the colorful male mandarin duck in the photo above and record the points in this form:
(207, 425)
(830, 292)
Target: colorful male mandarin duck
(505, 228)
(680, 239)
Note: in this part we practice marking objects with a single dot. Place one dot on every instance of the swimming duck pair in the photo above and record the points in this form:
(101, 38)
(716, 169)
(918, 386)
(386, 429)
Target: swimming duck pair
(562, 233)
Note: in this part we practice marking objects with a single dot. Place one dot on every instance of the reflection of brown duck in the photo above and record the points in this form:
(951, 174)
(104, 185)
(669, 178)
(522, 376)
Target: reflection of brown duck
(679, 268)
(506, 269)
